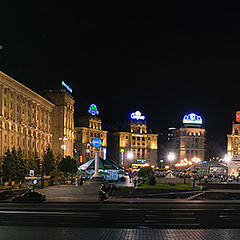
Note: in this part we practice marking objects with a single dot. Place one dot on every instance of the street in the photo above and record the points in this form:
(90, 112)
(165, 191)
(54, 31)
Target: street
(122, 215)
(120, 221)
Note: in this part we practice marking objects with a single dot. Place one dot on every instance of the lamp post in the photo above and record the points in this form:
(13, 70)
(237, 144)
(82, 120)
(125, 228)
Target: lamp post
(96, 173)
(97, 143)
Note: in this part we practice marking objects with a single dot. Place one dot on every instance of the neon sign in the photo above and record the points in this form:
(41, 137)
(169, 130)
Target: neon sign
(137, 116)
(93, 110)
(66, 86)
(192, 118)
(238, 117)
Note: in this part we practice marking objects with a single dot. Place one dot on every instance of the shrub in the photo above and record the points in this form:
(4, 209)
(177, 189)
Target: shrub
(151, 181)
(145, 171)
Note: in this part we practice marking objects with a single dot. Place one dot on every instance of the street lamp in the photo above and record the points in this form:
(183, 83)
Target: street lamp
(130, 155)
(171, 156)
(227, 158)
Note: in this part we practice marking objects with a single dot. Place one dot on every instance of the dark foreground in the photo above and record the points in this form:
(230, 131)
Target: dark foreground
(119, 221)
(118, 215)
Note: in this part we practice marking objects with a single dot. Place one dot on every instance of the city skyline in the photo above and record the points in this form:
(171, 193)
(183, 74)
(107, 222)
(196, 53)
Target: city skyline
(128, 58)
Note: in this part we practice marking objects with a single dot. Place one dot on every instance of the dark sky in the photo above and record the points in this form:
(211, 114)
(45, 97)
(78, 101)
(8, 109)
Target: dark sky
(165, 60)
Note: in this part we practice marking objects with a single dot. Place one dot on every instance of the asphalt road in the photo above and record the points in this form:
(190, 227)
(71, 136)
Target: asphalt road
(117, 215)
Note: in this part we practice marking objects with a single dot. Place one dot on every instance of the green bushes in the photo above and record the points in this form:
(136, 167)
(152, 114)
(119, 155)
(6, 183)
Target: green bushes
(151, 181)
(147, 175)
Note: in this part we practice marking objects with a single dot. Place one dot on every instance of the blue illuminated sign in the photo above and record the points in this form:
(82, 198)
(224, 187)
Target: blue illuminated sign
(137, 116)
(66, 86)
(97, 142)
(93, 110)
(192, 118)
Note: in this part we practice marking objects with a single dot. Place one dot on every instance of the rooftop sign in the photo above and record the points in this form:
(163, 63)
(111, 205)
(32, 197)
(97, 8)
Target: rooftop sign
(137, 116)
(192, 118)
(93, 110)
(238, 117)
(66, 86)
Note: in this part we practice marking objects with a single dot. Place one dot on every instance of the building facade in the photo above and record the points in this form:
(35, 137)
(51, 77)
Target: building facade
(233, 141)
(233, 148)
(32, 122)
(89, 127)
(25, 118)
(62, 122)
(136, 146)
(189, 140)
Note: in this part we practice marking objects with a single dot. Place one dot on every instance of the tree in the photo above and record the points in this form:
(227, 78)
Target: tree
(68, 165)
(34, 164)
(48, 164)
(148, 175)
(8, 167)
(13, 166)
(20, 165)
(145, 171)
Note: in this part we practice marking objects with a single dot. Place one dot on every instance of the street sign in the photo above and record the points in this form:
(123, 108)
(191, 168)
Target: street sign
(31, 173)
(97, 142)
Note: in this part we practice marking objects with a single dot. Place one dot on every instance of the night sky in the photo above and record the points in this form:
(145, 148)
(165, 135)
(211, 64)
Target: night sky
(165, 60)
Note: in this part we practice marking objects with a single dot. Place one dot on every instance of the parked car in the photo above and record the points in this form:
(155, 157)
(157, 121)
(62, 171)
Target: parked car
(30, 197)
(7, 194)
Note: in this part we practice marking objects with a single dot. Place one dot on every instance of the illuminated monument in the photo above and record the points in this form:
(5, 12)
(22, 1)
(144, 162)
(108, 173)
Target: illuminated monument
(134, 147)
(189, 140)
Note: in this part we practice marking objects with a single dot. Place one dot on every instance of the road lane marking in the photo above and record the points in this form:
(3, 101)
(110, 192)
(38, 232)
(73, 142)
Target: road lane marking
(48, 213)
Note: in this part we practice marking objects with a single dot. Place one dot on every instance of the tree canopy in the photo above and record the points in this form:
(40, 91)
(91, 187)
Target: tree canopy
(68, 165)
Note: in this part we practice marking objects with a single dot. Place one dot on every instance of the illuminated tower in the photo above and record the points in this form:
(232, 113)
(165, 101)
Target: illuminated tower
(62, 120)
(136, 146)
(189, 140)
(88, 128)
(233, 144)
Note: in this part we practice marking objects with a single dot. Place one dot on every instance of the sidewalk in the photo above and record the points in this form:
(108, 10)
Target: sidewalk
(126, 183)
(67, 193)
(71, 193)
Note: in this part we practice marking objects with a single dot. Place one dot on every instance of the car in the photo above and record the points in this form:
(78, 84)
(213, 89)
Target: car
(7, 194)
(30, 197)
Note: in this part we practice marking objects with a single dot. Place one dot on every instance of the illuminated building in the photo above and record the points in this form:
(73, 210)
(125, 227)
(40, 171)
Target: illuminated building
(29, 121)
(233, 147)
(62, 121)
(135, 146)
(89, 127)
(233, 144)
(189, 140)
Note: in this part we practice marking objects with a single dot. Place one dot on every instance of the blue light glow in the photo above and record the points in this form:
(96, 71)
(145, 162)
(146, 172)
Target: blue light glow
(97, 142)
(192, 118)
(137, 116)
(93, 110)
(66, 86)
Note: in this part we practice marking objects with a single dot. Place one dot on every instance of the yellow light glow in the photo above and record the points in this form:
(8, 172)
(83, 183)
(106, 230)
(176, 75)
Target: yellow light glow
(185, 162)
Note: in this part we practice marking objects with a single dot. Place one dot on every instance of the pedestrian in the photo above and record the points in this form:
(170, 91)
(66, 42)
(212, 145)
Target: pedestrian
(135, 182)
(130, 177)
(81, 181)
